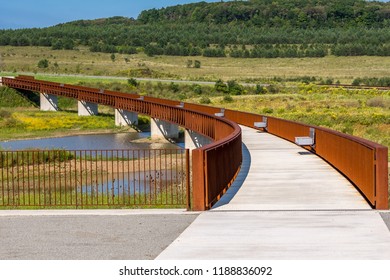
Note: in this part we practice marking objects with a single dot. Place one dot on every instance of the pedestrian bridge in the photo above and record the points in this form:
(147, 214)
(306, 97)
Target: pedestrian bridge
(279, 174)
(286, 204)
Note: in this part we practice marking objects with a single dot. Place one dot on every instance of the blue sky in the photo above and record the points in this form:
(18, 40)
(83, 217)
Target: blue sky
(43, 13)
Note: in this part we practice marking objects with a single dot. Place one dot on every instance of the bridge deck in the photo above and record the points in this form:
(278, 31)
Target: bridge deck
(285, 204)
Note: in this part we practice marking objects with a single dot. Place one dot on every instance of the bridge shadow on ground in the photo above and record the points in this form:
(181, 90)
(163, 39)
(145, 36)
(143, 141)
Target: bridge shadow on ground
(30, 96)
(237, 184)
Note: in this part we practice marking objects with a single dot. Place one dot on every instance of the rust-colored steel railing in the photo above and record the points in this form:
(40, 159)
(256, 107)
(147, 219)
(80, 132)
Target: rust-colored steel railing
(215, 167)
(225, 134)
(94, 178)
(363, 162)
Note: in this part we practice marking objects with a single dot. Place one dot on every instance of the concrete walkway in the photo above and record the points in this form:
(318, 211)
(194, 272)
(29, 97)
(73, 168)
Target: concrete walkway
(89, 234)
(285, 204)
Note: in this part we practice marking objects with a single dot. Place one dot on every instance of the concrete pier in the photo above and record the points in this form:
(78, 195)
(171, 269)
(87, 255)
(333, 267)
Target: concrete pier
(195, 140)
(125, 118)
(87, 108)
(162, 129)
(48, 102)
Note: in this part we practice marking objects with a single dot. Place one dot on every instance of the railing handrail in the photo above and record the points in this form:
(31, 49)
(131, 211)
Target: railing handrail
(221, 131)
(362, 141)
(365, 167)
(374, 189)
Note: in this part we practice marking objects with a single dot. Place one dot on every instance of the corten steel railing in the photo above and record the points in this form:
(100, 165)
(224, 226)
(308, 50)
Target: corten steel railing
(363, 162)
(225, 153)
(94, 178)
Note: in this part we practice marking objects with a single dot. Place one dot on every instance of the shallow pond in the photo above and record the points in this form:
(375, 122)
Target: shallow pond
(115, 141)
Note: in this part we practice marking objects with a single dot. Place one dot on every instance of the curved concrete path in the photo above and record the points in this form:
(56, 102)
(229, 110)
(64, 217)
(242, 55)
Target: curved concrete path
(286, 204)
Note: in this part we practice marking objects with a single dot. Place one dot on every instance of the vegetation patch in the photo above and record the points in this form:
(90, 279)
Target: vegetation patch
(11, 98)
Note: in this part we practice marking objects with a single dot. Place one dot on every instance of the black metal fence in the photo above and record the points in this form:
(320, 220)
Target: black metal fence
(94, 178)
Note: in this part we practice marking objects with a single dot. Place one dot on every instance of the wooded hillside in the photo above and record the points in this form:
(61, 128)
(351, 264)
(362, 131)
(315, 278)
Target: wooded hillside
(255, 28)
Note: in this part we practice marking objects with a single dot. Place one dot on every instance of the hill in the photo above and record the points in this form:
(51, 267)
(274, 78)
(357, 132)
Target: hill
(255, 28)
(279, 13)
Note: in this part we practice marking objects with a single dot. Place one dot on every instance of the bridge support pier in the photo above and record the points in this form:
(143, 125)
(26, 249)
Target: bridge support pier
(195, 140)
(48, 102)
(87, 108)
(162, 129)
(125, 118)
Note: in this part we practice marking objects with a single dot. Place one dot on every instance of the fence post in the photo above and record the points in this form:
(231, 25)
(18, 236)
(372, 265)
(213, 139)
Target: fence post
(188, 180)
(198, 181)
(381, 179)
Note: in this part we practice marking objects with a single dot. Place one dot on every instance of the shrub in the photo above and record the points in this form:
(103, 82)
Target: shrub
(375, 82)
(268, 110)
(228, 98)
(328, 81)
(197, 64)
(273, 89)
(43, 63)
(132, 82)
(379, 101)
(234, 88)
(174, 87)
(220, 86)
(357, 82)
(197, 89)
(205, 100)
(260, 89)
(182, 96)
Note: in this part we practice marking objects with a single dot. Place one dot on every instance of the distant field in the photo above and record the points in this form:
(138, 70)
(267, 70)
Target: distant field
(344, 69)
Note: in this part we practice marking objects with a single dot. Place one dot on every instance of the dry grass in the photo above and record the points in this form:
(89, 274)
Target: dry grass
(82, 61)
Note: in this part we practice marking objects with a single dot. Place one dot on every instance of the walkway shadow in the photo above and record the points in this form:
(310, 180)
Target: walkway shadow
(237, 184)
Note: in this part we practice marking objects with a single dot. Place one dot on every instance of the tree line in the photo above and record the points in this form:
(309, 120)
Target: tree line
(277, 13)
(255, 28)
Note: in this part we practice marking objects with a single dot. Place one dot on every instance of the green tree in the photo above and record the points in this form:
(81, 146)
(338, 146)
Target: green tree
(57, 45)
